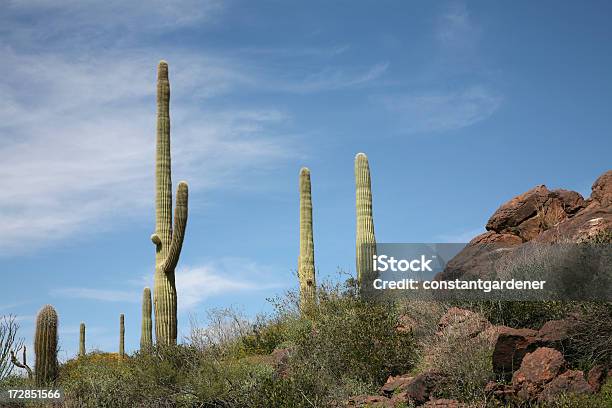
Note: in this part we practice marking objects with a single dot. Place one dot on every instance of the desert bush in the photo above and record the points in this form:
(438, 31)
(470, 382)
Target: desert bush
(8, 342)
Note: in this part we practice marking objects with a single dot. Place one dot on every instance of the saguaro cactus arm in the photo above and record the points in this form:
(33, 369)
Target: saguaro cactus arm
(22, 364)
(180, 225)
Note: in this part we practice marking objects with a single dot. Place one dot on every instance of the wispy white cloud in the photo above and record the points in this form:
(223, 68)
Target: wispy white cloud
(195, 284)
(227, 276)
(333, 79)
(78, 138)
(455, 31)
(442, 111)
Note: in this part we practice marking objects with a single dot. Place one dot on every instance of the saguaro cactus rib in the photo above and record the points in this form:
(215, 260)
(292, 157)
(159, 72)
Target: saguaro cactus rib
(365, 241)
(168, 242)
(306, 266)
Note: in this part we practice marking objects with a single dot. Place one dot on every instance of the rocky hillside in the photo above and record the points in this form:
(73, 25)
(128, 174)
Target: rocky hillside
(538, 215)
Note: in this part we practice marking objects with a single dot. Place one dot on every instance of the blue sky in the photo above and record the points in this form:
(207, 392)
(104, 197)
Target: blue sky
(459, 106)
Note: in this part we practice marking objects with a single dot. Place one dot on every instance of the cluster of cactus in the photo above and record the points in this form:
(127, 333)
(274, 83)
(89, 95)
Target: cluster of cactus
(365, 239)
(45, 348)
(168, 238)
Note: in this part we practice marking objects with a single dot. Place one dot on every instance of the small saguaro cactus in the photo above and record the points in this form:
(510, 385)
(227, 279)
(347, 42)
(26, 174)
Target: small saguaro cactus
(82, 340)
(45, 346)
(146, 334)
(366, 241)
(121, 336)
(168, 238)
(306, 267)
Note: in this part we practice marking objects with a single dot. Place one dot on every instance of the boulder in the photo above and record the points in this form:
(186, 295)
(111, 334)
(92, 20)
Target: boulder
(511, 346)
(557, 332)
(601, 191)
(420, 388)
(537, 369)
(569, 382)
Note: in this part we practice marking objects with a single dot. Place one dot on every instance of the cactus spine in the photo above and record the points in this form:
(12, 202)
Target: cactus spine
(45, 346)
(168, 239)
(306, 267)
(366, 241)
(121, 336)
(82, 340)
(146, 334)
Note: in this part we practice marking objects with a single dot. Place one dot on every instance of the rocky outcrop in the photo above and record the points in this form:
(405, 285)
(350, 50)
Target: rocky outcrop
(538, 215)
(513, 344)
(543, 377)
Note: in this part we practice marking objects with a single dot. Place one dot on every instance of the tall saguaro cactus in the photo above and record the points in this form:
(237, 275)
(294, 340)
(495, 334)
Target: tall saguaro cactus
(306, 267)
(146, 333)
(121, 336)
(168, 238)
(82, 340)
(366, 241)
(45, 346)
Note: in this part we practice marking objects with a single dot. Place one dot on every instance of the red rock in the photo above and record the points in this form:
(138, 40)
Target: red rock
(539, 367)
(419, 389)
(557, 331)
(601, 190)
(512, 213)
(571, 201)
(569, 382)
(596, 377)
(511, 346)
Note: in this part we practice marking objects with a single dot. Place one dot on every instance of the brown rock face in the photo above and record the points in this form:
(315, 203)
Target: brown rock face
(420, 388)
(537, 369)
(569, 382)
(530, 213)
(602, 189)
(511, 347)
(538, 215)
